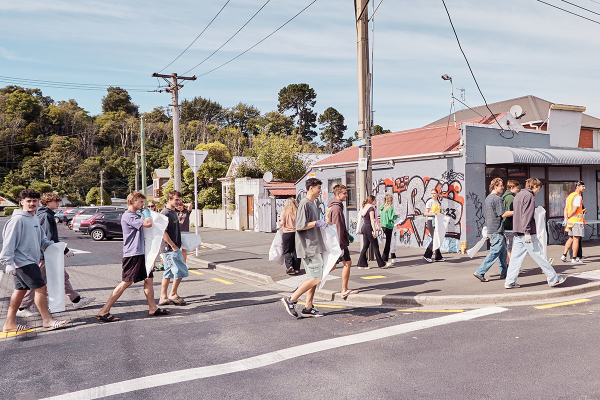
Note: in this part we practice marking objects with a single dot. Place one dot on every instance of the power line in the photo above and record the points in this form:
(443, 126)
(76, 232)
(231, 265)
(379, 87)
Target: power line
(265, 38)
(197, 37)
(570, 12)
(234, 35)
(593, 12)
(472, 74)
(67, 85)
(363, 10)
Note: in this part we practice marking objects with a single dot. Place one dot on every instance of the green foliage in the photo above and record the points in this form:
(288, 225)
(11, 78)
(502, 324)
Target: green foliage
(168, 187)
(93, 197)
(41, 187)
(117, 100)
(279, 155)
(333, 128)
(273, 122)
(210, 196)
(248, 169)
(20, 104)
(159, 114)
(211, 207)
(299, 99)
(201, 109)
(8, 211)
(241, 117)
(14, 191)
(378, 130)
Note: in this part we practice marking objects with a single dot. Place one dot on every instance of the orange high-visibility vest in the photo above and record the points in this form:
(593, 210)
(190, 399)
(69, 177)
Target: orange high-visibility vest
(578, 216)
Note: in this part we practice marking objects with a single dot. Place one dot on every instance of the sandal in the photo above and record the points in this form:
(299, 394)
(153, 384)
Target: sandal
(178, 301)
(160, 311)
(349, 292)
(56, 325)
(166, 303)
(107, 318)
(18, 329)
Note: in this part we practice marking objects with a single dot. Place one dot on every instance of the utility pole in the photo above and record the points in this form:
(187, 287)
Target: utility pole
(101, 188)
(137, 173)
(143, 156)
(174, 90)
(364, 97)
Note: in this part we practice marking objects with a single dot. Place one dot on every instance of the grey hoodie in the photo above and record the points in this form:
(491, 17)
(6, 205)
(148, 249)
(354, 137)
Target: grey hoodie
(24, 240)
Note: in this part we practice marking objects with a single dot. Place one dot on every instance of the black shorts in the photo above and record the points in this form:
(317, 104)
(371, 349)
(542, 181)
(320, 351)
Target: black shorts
(29, 277)
(345, 254)
(134, 269)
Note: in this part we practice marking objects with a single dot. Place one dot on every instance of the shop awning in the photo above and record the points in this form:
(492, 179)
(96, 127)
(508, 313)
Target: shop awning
(529, 155)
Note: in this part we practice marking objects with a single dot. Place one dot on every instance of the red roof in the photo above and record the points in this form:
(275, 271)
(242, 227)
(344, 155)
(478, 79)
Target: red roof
(279, 184)
(426, 140)
(283, 192)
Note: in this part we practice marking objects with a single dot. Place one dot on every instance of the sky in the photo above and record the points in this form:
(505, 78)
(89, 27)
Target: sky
(515, 48)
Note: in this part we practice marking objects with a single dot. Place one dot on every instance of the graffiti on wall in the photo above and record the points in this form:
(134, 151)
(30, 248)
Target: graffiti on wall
(479, 217)
(410, 196)
(279, 206)
(319, 202)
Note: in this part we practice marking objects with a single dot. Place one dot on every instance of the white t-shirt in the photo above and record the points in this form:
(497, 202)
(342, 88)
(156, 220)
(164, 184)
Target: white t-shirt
(576, 204)
(428, 206)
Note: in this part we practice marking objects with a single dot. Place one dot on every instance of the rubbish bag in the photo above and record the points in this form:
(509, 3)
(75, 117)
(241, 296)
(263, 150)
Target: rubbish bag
(441, 225)
(540, 227)
(190, 241)
(276, 250)
(153, 237)
(333, 253)
(473, 250)
(54, 256)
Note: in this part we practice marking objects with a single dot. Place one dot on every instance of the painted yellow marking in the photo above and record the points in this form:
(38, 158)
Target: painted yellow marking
(222, 281)
(4, 335)
(323, 305)
(446, 311)
(373, 277)
(196, 272)
(566, 303)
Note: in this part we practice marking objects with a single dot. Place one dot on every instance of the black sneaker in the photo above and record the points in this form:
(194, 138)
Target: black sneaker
(313, 312)
(290, 306)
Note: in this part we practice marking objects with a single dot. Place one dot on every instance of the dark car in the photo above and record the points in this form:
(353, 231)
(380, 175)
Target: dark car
(87, 212)
(58, 214)
(69, 214)
(85, 223)
(106, 225)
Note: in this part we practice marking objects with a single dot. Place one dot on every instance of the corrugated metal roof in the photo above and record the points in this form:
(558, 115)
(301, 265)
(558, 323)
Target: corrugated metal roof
(525, 155)
(283, 192)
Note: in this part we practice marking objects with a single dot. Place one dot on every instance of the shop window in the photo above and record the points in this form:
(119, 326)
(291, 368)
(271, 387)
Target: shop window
(557, 196)
(537, 172)
(351, 188)
(564, 174)
(332, 183)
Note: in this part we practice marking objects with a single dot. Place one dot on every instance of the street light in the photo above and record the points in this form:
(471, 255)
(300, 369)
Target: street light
(446, 77)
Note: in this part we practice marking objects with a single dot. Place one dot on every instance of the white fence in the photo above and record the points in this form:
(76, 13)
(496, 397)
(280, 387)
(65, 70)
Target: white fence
(214, 219)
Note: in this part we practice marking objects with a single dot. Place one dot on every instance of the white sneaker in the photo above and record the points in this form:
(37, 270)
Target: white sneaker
(84, 301)
(576, 260)
(26, 312)
(387, 264)
(563, 258)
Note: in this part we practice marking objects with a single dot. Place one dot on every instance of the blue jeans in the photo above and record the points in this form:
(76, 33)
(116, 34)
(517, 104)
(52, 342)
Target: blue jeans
(497, 251)
(520, 250)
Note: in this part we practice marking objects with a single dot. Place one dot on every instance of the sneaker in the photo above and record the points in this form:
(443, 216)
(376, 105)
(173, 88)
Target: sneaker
(313, 312)
(551, 261)
(561, 279)
(502, 276)
(84, 301)
(513, 285)
(290, 306)
(160, 267)
(429, 260)
(441, 259)
(576, 260)
(26, 312)
(563, 258)
(367, 267)
(387, 264)
(480, 277)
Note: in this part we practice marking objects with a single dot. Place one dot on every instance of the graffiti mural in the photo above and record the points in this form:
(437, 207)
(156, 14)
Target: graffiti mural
(319, 202)
(479, 217)
(410, 196)
(279, 206)
(557, 231)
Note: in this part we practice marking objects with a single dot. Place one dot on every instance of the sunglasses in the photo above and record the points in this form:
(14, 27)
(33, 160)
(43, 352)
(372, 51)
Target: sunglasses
(151, 206)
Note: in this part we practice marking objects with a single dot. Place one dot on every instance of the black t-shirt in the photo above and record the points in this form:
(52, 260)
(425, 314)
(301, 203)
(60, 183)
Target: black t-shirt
(184, 219)
(173, 230)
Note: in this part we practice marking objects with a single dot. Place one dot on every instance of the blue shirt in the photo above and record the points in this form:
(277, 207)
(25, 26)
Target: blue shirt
(133, 234)
(494, 208)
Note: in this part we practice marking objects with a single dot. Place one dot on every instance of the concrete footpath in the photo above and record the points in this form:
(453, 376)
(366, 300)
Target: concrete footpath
(410, 281)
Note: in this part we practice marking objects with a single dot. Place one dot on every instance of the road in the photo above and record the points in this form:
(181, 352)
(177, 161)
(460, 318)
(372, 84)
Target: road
(351, 353)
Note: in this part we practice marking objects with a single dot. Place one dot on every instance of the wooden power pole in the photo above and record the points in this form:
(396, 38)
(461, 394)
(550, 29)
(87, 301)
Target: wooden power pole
(174, 90)
(364, 100)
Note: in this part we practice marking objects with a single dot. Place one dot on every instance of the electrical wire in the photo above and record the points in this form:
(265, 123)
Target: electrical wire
(472, 74)
(575, 5)
(197, 37)
(469, 107)
(67, 85)
(362, 12)
(234, 35)
(265, 38)
(570, 12)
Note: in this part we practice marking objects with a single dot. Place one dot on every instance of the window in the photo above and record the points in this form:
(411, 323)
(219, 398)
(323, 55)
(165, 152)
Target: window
(332, 183)
(559, 191)
(351, 187)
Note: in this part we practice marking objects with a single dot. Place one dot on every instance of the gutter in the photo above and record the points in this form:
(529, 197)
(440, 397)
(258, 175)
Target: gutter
(443, 154)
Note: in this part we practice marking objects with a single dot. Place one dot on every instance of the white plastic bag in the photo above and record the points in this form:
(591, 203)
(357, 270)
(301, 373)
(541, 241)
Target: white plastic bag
(276, 250)
(333, 253)
(189, 241)
(441, 225)
(473, 250)
(540, 228)
(54, 257)
(153, 237)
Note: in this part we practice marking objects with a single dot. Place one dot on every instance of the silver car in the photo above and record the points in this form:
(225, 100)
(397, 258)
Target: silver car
(88, 212)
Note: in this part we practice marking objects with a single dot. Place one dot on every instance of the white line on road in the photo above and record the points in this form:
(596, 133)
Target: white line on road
(185, 375)
(75, 251)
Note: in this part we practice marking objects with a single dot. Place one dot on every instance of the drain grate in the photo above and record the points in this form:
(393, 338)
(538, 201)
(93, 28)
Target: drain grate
(364, 317)
(593, 275)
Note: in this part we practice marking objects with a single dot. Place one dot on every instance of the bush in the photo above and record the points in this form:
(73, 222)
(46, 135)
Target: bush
(211, 207)
(210, 196)
(93, 197)
(9, 210)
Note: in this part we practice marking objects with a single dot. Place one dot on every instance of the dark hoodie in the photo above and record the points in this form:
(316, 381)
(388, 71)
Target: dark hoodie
(508, 198)
(48, 224)
(335, 215)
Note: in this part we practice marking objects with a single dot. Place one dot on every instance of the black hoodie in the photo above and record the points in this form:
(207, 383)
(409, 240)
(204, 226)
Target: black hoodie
(335, 215)
(48, 224)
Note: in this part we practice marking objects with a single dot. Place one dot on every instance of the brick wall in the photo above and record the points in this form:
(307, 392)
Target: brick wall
(586, 139)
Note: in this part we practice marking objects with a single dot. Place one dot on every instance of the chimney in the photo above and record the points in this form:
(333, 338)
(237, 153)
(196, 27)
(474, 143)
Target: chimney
(564, 125)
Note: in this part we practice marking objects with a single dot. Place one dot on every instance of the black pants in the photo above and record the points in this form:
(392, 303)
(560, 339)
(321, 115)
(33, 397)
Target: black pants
(429, 251)
(368, 239)
(388, 241)
(289, 251)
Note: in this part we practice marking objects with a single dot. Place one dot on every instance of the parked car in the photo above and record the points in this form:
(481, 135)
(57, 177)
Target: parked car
(69, 214)
(87, 212)
(59, 212)
(106, 225)
(85, 223)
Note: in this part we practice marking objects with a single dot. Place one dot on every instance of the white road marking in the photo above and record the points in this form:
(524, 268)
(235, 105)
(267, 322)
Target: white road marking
(75, 251)
(170, 378)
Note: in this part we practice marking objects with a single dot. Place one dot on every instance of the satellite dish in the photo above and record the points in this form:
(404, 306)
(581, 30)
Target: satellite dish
(268, 176)
(516, 110)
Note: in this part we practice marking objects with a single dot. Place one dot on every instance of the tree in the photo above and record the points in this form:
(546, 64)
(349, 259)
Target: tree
(118, 99)
(93, 197)
(274, 122)
(41, 187)
(333, 129)
(378, 130)
(159, 114)
(241, 117)
(210, 196)
(201, 109)
(279, 155)
(299, 99)
(14, 191)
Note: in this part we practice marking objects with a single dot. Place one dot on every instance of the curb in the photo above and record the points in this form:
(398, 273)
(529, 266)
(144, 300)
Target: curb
(239, 273)
(419, 300)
